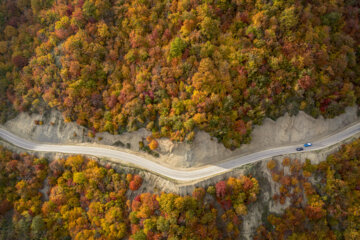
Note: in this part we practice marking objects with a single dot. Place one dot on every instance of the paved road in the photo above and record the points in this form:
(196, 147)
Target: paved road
(181, 175)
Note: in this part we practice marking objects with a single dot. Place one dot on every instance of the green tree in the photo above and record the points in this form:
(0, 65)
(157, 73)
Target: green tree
(89, 9)
(177, 47)
(288, 18)
(38, 228)
(140, 235)
(36, 6)
(209, 28)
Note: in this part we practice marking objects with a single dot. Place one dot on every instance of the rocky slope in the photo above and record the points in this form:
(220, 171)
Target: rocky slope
(203, 150)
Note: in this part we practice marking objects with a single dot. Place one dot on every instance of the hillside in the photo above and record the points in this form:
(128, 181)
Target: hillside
(176, 67)
(283, 198)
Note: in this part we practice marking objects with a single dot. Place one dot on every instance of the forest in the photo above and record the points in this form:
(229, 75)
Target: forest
(83, 200)
(76, 198)
(176, 67)
(325, 198)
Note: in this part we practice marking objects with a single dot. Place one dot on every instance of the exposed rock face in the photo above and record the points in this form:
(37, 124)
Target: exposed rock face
(299, 128)
(286, 130)
(53, 129)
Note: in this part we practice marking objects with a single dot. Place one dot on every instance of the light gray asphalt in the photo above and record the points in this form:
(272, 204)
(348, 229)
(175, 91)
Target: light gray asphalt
(180, 175)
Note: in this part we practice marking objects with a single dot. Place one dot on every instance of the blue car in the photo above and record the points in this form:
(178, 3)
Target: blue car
(299, 149)
(309, 144)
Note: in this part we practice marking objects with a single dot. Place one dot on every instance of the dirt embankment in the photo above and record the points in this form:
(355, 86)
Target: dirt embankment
(204, 150)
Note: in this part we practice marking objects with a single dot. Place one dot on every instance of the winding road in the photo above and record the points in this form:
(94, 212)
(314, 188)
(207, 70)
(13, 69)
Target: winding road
(180, 175)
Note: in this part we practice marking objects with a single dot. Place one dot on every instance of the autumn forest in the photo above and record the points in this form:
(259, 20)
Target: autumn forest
(176, 67)
(76, 198)
(179, 66)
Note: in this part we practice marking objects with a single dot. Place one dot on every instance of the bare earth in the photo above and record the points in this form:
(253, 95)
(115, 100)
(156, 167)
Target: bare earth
(203, 151)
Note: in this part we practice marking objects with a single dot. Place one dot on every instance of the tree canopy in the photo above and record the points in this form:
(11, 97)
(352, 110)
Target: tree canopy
(180, 66)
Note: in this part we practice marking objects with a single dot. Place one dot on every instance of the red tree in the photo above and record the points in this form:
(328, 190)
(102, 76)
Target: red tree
(19, 61)
(220, 189)
(199, 194)
(135, 183)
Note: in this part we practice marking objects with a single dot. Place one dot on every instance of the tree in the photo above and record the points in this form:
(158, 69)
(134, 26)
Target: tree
(5, 206)
(162, 224)
(286, 162)
(135, 183)
(206, 79)
(240, 127)
(211, 190)
(305, 82)
(220, 189)
(19, 61)
(240, 209)
(288, 18)
(75, 162)
(140, 235)
(79, 178)
(22, 227)
(199, 194)
(89, 9)
(177, 47)
(271, 164)
(37, 227)
(209, 28)
(36, 6)
(153, 144)
(10, 32)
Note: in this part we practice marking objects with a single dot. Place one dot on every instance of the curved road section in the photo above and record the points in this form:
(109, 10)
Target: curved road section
(180, 175)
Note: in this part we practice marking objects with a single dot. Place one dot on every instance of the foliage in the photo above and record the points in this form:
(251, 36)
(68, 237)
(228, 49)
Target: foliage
(177, 47)
(179, 67)
(331, 209)
(271, 164)
(168, 215)
(87, 201)
(135, 183)
(153, 144)
(21, 178)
